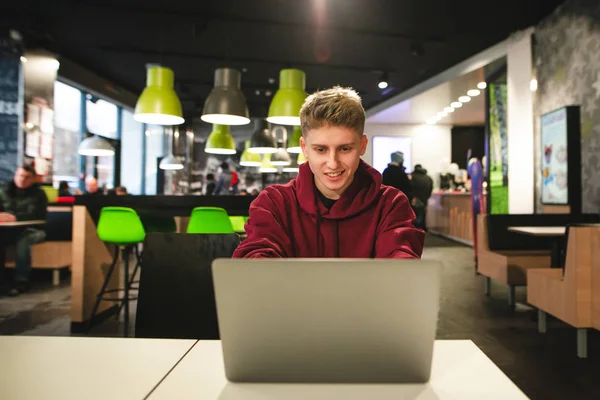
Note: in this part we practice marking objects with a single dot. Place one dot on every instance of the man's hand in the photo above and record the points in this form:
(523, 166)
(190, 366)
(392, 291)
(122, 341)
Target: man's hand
(7, 217)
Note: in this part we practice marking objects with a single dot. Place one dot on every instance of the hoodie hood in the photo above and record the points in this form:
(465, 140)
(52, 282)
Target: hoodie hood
(359, 196)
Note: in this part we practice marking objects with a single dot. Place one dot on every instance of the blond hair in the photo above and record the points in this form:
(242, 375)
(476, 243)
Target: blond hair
(337, 106)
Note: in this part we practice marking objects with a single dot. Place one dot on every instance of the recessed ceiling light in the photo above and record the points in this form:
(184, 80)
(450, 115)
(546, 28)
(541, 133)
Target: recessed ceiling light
(23, 59)
(456, 104)
(382, 85)
(449, 109)
(464, 99)
(474, 92)
(431, 121)
(481, 85)
(442, 114)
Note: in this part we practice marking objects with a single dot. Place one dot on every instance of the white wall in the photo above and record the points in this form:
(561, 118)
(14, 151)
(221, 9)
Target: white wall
(430, 143)
(520, 125)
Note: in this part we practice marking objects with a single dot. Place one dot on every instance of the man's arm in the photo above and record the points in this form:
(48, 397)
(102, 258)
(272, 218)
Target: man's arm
(267, 237)
(397, 237)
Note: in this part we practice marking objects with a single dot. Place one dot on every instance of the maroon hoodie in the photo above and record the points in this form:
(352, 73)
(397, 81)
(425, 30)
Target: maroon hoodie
(369, 220)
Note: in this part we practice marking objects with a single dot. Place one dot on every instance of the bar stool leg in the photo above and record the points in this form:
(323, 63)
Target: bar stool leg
(126, 292)
(104, 285)
(582, 342)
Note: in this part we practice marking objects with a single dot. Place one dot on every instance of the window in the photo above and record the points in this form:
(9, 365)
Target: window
(155, 149)
(101, 117)
(67, 126)
(132, 151)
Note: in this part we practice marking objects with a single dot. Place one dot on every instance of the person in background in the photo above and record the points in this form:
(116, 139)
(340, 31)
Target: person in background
(63, 189)
(91, 187)
(121, 191)
(210, 184)
(395, 175)
(225, 181)
(21, 199)
(422, 186)
(336, 206)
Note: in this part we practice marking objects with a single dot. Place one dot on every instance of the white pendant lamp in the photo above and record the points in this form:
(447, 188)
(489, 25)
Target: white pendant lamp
(95, 146)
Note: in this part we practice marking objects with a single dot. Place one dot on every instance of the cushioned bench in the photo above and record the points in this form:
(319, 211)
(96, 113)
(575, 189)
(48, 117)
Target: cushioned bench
(55, 252)
(506, 256)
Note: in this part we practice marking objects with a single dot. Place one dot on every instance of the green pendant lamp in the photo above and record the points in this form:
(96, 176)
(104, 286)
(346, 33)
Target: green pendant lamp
(158, 103)
(226, 104)
(286, 104)
(266, 167)
(301, 159)
(249, 159)
(294, 142)
(262, 142)
(220, 141)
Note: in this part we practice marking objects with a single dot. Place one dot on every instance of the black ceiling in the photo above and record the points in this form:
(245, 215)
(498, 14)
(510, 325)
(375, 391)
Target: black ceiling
(345, 42)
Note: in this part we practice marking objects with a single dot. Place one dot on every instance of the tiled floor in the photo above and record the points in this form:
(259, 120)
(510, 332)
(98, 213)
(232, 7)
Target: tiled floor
(543, 366)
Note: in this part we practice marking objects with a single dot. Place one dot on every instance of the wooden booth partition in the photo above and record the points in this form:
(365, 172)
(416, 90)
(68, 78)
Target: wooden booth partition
(91, 260)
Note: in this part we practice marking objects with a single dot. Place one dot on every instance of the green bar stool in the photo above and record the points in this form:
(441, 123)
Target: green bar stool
(121, 227)
(238, 224)
(209, 220)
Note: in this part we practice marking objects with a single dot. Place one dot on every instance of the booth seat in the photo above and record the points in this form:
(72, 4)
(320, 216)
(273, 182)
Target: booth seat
(571, 294)
(506, 256)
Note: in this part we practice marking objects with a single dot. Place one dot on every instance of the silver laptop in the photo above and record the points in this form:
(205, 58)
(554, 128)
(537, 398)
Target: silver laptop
(327, 320)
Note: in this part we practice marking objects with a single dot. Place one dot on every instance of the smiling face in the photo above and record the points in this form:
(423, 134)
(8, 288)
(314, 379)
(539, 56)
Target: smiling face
(333, 154)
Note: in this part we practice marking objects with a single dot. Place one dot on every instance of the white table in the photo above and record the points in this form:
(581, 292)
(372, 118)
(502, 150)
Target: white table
(539, 230)
(21, 223)
(460, 371)
(84, 368)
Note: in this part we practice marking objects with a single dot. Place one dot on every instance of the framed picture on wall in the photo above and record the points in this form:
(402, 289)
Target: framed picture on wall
(561, 165)
(384, 146)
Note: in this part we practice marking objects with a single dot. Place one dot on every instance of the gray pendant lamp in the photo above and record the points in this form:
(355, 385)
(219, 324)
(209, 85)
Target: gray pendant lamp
(226, 104)
(95, 146)
(170, 162)
(281, 157)
(293, 167)
(262, 142)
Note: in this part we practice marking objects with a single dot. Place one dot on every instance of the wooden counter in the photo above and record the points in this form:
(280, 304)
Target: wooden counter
(450, 215)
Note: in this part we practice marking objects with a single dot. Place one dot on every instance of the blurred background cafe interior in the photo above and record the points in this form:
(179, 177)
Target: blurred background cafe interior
(172, 117)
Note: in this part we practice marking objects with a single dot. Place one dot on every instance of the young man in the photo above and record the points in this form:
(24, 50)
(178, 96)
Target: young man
(21, 200)
(336, 207)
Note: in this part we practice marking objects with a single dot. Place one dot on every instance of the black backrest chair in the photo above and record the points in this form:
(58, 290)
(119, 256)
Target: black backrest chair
(176, 296)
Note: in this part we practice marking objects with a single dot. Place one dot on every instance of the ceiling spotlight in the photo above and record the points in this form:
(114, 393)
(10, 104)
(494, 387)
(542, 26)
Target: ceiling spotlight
(474, 92)
(481, 85)
(23, 59)
(383, 81)
(449, 109)
(442, 114)
(456, 104)
(464, 99)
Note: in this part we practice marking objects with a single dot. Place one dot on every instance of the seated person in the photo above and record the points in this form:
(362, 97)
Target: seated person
(337, 206)
(91, 187)
(21, 199)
